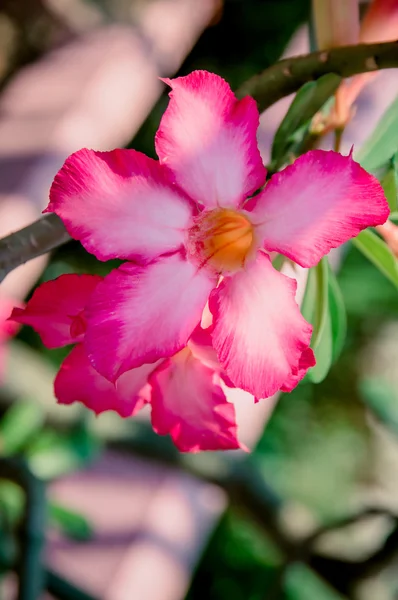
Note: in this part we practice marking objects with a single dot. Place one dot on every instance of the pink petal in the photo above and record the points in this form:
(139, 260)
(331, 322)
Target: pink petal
(307, 360)
(189, 404)
(140, 314)
(208, 140)
(316, 204)
(78, 381)
(259, 333)
(54, 310)
(8, 326)
(119, 204)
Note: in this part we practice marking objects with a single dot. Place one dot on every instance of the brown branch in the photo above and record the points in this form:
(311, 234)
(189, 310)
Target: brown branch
(34, 240)
(287, 76)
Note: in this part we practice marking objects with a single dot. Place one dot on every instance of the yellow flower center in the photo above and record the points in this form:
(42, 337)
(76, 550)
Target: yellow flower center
(222, 238)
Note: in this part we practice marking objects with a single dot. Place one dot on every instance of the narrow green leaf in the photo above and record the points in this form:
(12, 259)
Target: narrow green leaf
(71, 523)
(390, 185)
(19, 424)
(338, 315)
(323, 306)
(309, 100)
(322, 343)
(383, 142)
(377, 251)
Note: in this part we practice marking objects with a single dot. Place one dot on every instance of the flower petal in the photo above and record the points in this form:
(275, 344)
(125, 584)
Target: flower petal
(189, 404)
(78, 381)
(208, 139)
(259, 333)
(54, 309)
(140, 314)
(316, 204)
(307, 360)
(119, 204)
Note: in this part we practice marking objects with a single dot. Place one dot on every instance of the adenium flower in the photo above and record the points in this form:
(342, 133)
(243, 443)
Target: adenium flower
(184, 391)
(193, 233)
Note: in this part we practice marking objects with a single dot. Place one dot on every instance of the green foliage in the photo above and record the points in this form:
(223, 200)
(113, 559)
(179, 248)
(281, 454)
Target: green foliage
(323, 306)
(390, 184)
(71, 523)
(383, 143)
(19, 424)
(377, 251)
(294, 128)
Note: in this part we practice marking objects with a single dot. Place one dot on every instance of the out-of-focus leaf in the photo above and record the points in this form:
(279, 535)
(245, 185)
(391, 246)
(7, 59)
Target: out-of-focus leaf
(71, 523)
(383, 142)
(390, 184)
(54, 454)
(11, 501)
(309, 100)
(377, 251)
(302, 583)
(382, 399)
(19, 424)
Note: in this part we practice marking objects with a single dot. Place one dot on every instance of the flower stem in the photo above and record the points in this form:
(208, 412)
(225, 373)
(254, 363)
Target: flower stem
(287, 76)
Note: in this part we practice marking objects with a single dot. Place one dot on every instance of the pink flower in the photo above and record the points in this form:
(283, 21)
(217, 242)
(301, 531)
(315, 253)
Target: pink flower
(186, 397)
(192, 233)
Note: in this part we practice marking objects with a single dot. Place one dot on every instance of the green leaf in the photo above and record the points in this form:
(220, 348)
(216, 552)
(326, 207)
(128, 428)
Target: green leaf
(278, 262)
(315, 309)
(323, 306)
(338, 315)
(71, 523)
(377, 251)
(309, 100)
(383, 142)
(19, 424)
(54, 454)
(390, 184)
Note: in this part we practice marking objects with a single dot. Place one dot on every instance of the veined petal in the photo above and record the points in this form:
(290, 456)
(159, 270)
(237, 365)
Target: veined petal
(307, 360)
(208, 140)
(140, 314)
(120, 204)
(189, 404)
(78, 381)
(54, 309)
(316, 204)
(259, 333)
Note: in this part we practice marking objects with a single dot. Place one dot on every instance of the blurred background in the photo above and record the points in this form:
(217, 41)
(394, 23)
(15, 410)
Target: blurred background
(101, 507)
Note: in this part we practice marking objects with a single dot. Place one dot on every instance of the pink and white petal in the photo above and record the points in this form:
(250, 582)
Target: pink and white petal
(140, 314)
(8, 327)
(120, 204)
(189, 404)
(307, 360)
(259, 333)
(55, 308)
(208, 140)
(78, 381)
(316, 204)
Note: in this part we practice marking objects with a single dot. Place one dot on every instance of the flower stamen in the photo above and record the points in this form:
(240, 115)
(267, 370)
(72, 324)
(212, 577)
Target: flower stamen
(222, 238)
